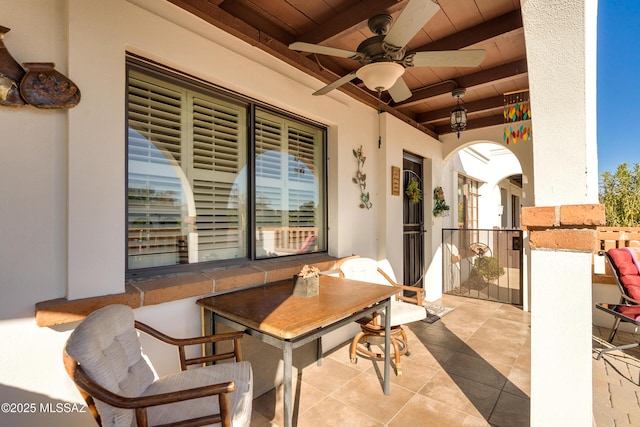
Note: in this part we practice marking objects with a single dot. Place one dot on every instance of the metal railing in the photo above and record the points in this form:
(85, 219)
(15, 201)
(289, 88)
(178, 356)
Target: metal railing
(483, 263)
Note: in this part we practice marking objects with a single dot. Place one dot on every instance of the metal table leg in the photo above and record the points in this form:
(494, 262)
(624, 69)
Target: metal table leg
(387, 344)
(287, 353)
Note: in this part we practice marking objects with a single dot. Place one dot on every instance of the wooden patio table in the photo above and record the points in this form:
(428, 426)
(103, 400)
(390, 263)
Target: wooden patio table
(272, 314)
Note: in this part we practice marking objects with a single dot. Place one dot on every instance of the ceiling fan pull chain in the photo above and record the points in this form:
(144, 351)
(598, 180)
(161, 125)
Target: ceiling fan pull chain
(379, 113)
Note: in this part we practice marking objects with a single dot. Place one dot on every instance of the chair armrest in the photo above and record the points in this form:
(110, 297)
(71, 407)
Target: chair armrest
(626, 299)
(187, 341)
(113, 399)
(92, 390)
(181, 343)
(415, 300)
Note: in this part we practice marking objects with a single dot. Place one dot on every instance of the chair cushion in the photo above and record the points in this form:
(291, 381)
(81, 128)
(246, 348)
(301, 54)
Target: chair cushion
(635, 253)
(404, 312)
(363, 269)
(633, 289)
(623, 261)
(630, 280)
(240, 400)
(623, 258)
(632, 311)
(107, 347)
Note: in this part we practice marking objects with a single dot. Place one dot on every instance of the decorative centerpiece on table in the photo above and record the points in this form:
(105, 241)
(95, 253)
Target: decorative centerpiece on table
(307, 282)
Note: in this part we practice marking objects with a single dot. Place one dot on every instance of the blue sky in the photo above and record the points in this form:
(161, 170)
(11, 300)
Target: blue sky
(618, 83)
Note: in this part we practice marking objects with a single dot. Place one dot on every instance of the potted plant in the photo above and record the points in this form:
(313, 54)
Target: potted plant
(487, 267)
(307, 282)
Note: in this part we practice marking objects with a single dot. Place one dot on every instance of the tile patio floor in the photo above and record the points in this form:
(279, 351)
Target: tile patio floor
(470, 368)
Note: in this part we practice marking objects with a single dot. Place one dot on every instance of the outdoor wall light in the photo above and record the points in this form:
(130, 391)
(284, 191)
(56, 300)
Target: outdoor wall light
(458, 114)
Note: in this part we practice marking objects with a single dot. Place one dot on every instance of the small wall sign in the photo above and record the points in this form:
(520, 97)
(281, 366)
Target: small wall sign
(395, 181)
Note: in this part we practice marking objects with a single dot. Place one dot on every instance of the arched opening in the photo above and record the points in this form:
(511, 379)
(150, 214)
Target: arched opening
(482, 239)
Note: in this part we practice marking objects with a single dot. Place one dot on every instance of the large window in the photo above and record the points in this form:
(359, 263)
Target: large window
(213, 177)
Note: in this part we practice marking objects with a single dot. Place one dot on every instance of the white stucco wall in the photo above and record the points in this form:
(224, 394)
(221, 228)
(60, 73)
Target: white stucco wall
(63, 190)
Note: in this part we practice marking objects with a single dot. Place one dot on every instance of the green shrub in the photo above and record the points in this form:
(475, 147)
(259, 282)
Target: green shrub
(620, 194)
(487, 267)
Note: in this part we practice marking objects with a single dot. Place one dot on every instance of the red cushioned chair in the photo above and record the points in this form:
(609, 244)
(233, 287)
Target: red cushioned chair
(628, 279)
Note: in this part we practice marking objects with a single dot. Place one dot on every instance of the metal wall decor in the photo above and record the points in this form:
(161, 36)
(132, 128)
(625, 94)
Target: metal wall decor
(11, 74)
(44, 87)
(361, 179)
(40, 85)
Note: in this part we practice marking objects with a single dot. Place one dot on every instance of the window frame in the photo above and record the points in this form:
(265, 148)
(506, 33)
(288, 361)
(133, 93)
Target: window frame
(250, 106)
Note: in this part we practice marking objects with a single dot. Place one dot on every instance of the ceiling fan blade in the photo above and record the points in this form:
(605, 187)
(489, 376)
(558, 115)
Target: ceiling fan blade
(413, 17)
(331, 86)
(445, 58)
(399, 91)
(324, 50)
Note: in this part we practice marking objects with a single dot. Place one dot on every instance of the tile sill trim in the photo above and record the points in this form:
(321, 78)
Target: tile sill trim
(166, 289)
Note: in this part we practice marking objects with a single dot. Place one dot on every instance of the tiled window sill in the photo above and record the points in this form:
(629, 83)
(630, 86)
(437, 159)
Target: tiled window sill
(157, 291)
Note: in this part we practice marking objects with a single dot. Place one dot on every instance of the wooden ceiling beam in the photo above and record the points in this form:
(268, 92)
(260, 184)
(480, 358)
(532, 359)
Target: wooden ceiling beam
(479, 106)
(495, 27)
(350, 18)
(480, 78)
(483, 122)
(251, 14)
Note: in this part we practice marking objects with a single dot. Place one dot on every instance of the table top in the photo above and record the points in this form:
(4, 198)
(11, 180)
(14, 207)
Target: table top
(275, 310)
(630, 313)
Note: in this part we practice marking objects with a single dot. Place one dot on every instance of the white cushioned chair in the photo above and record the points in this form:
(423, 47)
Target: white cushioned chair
(403, 310)
(104, 358)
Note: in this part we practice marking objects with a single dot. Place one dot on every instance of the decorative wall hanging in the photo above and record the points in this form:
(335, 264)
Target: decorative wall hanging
(517, 110)
(439, 204)
(44, 87)
(40, 85)
(361, 179)
(11, 74)
(413, 191)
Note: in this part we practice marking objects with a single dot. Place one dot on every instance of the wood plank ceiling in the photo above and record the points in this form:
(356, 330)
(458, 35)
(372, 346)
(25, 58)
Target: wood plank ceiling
(492, 25)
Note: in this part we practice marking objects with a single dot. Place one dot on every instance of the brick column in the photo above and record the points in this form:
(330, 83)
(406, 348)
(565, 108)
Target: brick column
(563, 228)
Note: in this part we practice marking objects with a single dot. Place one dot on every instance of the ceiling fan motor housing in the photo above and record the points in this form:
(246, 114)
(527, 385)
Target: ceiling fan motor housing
(380, 24)
(375, 50)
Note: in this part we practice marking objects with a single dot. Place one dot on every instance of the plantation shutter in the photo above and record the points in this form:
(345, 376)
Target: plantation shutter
(302, 172)
(217, 158)
(270, 159)
(155, 211)
(185, 153)
(288, 156)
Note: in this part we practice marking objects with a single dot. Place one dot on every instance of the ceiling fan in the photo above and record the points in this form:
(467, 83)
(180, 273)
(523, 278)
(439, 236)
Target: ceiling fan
(384, 56)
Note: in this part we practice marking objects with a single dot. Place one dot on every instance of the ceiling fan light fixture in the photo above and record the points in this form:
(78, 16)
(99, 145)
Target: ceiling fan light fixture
(379, 76)
(459, 113)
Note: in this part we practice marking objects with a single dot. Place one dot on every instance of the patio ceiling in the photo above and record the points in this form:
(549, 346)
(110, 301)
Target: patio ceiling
(492, 25)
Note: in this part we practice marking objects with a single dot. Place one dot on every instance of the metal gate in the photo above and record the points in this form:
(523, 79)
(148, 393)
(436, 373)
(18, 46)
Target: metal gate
(483, 264)
(413, 224)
